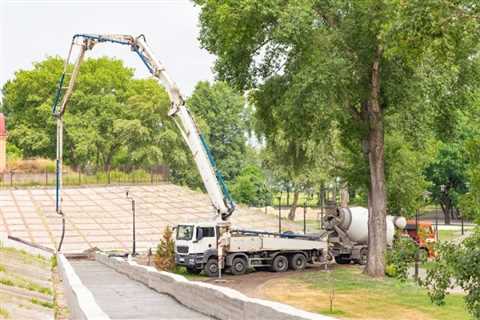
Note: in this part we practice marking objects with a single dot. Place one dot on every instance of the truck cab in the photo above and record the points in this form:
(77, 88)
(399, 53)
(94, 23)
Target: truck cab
(195, 244)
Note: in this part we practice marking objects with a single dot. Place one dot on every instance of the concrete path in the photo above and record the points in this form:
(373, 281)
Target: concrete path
(123, 298)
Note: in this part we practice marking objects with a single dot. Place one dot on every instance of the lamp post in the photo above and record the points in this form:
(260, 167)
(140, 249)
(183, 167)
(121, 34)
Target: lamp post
(279, 214)
(134, 252)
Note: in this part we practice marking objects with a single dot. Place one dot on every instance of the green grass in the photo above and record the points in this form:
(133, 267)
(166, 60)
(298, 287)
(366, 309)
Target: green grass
(4, 313)
(2, 268)
(24, 256)
(45, 304)
(357, 294)
(449, 235)
(183, 272)
(19, 282)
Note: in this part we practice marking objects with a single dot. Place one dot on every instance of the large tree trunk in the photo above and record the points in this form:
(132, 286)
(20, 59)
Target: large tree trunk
(293, 208)
(377, 239)
(446, 208)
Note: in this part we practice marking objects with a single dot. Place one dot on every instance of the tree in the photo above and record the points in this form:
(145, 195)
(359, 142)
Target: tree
(249, 186)
(109, 113)
(447, 172)
(358, 60)
(223, 118)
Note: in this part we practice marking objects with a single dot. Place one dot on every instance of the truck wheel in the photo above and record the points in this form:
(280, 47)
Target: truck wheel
(298, 262)
(280, 264)
(239, 266)
(342, 260)
(211, 268)
(363, 257)
(193, 270)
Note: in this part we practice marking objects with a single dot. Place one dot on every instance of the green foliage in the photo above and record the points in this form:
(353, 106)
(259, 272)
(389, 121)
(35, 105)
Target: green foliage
(109, 112)
(223, 118)
(449, 169)
(457, 264)
(405, 182)
(470, 202)
(400, 257)
(249, 187)
(313, 64)
(13, 152)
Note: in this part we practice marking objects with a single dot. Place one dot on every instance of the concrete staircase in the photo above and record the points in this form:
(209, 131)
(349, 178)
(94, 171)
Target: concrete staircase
(101, 216)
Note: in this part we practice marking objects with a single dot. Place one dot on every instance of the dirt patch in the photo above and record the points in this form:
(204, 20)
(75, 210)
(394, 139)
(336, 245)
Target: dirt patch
(252, 284)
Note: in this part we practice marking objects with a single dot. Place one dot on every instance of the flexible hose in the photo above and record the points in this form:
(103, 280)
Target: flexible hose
(63, 232)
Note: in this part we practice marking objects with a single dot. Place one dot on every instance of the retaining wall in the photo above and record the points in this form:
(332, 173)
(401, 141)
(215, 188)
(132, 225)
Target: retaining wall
(219, 302)
(80, 300)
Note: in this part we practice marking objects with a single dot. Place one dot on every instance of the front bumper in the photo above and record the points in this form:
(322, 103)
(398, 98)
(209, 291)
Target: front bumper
(189, 260)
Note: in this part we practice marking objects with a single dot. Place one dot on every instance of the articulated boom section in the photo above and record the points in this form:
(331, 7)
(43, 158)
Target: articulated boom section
(211, 177)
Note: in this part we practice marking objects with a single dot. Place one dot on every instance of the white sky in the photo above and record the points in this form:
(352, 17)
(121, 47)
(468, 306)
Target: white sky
(31, 30)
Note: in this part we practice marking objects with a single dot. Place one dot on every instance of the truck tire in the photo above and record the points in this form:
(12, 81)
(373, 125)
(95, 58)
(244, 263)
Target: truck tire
(342, 260)
(239, 266)
(280, 263)
(363, 257)
(211, 267)
(193, 270)
(297, 262)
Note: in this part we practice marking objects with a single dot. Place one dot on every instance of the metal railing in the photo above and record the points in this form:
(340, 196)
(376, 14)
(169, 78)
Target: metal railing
(12, 179)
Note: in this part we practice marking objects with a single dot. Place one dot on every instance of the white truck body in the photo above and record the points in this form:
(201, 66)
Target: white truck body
(259, 243)
(199, 250)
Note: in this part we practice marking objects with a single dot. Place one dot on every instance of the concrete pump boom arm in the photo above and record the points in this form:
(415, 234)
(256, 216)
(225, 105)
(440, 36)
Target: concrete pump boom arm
(211, 176)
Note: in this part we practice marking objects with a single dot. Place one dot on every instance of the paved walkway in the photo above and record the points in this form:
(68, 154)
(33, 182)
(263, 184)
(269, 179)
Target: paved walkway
(123, 298)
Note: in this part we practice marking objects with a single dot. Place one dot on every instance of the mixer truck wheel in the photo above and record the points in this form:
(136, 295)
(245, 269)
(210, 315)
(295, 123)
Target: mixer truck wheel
(298, 262)
(343, 259)
(363, 257)
(280, 264)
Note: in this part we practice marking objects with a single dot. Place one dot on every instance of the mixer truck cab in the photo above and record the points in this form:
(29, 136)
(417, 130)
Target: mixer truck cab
(424, 238)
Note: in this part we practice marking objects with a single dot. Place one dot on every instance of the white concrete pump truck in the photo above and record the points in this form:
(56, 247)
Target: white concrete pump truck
(212, 246)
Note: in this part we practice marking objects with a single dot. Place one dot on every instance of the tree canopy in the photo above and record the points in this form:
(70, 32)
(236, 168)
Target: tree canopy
(358, 63)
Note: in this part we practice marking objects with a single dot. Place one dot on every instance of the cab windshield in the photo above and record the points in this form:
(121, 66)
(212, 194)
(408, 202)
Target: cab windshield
(184, 232)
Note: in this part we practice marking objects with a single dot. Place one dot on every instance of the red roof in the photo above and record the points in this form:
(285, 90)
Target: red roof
(3, 129)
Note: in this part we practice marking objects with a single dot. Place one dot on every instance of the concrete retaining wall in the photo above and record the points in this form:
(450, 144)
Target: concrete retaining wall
(219, 302)
(80, 300)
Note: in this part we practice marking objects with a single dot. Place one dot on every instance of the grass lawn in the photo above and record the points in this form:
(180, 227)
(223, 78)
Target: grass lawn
(357, 296)
(449, 235)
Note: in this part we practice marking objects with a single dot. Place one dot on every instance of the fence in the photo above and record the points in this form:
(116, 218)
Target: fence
(70, 177)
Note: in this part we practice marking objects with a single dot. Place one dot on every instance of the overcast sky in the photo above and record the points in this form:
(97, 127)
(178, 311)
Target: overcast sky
(31, 30)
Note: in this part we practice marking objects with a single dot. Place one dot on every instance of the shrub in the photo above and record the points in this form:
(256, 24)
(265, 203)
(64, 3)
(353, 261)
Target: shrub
(400, 257)
(37, 165)
(165, 257)
(457, 264)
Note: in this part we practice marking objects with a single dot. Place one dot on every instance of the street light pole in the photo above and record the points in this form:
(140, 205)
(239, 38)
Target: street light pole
(279, 215)
(134, 252)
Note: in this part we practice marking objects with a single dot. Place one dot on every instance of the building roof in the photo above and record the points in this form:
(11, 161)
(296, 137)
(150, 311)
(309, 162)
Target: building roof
(3, 127)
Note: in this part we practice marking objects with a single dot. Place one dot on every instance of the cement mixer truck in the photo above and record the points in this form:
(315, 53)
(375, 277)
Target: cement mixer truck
(348, 233)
